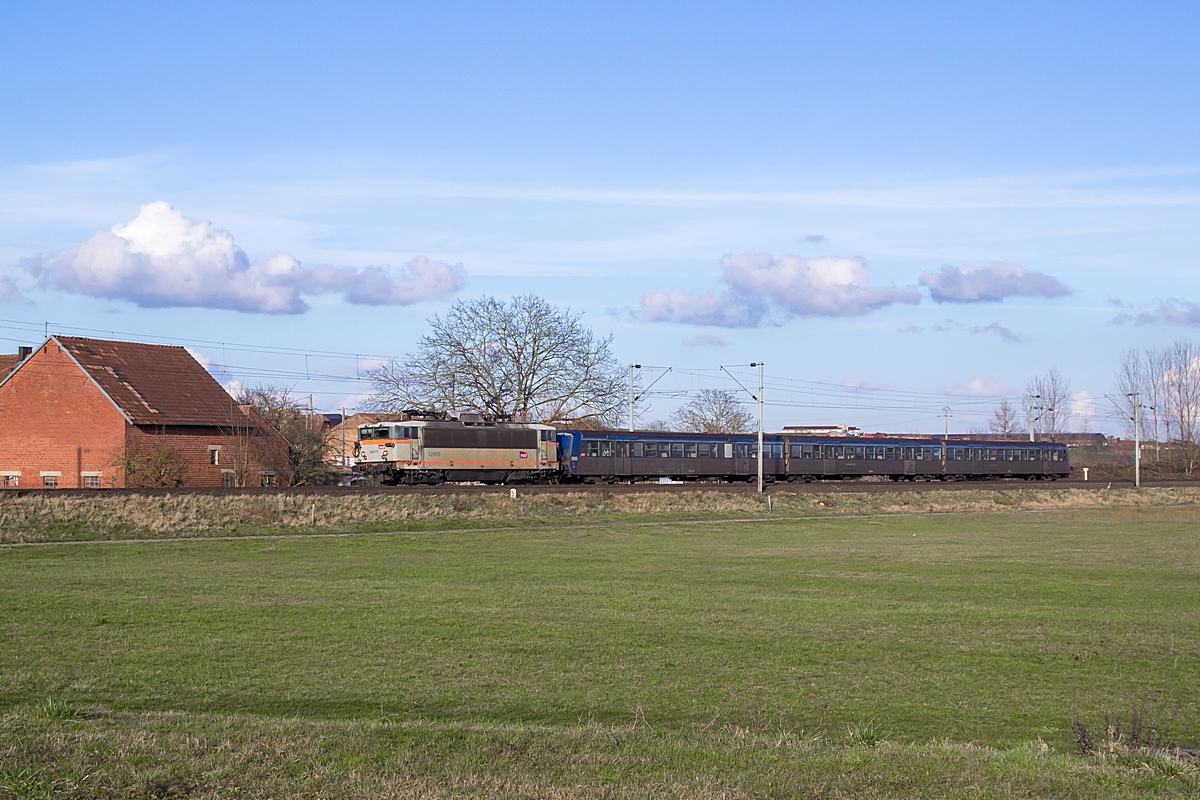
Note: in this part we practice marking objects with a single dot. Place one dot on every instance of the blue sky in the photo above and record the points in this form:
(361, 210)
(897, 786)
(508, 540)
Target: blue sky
(609, 158)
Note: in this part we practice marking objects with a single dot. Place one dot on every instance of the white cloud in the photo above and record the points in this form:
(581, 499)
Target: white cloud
(1083, 406)
(203, 359)
(1171, 311)
(10, 292)
(725, 310)
(950, 325)
(789, 285)
(858, 383)
(967, 284)
(163, 259)
(981, 386)
(704, 340)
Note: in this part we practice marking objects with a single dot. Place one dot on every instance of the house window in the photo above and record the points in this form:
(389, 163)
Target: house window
(50, 481)
(227, 479)
(267, 478)
(91, 480)
(12, 481)
(214, 455)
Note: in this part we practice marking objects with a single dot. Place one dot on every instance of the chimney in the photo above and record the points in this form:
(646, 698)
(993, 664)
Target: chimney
(24, 353)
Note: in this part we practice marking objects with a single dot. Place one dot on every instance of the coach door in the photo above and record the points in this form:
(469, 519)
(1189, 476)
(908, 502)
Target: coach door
(622, 462)
(743, 459)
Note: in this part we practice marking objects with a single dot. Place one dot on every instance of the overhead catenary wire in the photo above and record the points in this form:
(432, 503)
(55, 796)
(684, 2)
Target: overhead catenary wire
(886, 407)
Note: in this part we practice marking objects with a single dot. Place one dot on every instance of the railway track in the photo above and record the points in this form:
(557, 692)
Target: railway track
(818, 487)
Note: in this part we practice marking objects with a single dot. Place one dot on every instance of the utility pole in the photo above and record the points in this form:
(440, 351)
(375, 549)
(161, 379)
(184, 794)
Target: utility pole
(759, 364)
(343, 426)
(1137, 443)
(759, 399)
(946, 438)
(632, 367)
(1032, 397)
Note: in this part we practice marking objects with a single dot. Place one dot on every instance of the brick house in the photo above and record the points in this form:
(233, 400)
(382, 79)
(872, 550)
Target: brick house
(89, 413)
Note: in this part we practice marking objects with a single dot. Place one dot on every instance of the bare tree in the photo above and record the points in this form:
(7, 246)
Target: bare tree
(523, 359)
(151, 462)
(1004, 420)
(713, 411)
(1131, 378)
(1156, 367)
(307, 445)
(1047, 402)
(656, 425)
(1181, 395)
(244, 437)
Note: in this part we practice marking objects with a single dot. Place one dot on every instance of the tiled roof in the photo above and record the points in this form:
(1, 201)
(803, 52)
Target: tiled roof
(153, 384)
(7, 362)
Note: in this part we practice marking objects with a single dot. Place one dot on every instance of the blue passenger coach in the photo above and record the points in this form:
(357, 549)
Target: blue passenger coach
(610, 456)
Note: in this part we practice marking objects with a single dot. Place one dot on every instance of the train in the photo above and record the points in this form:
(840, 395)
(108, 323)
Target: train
(438, 448)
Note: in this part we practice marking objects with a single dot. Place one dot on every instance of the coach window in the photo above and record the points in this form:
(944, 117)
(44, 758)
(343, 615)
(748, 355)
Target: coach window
(637, 450)
(606, 449)
(689, 449)
(664, 449)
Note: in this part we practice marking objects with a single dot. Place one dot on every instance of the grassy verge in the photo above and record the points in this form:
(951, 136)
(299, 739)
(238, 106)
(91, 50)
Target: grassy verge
(210, 756)
(907, 656)
(38, 517)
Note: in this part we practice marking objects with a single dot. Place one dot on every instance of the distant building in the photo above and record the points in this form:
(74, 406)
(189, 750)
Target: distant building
(822, 430)
(342, 438)
(89, 413)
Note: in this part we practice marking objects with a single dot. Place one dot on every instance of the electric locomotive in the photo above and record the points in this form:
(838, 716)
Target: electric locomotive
(433, 448)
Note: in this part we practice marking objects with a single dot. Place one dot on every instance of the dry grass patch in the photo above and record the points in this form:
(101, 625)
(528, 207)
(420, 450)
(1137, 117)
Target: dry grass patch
(41, 517)
(212, 756)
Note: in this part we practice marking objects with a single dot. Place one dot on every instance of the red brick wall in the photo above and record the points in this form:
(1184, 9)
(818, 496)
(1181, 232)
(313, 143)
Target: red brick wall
(192, 446)
(53, 418)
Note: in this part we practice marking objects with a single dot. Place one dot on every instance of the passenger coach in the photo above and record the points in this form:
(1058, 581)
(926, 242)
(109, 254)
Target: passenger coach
(609, 456)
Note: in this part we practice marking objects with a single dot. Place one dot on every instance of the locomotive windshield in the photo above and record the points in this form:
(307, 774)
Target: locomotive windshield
(372, 433)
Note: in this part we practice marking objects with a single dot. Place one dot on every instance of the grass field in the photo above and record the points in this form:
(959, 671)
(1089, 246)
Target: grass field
(910, 656)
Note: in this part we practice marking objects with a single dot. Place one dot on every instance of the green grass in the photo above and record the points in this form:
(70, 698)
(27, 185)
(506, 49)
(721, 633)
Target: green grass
(933, 652)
